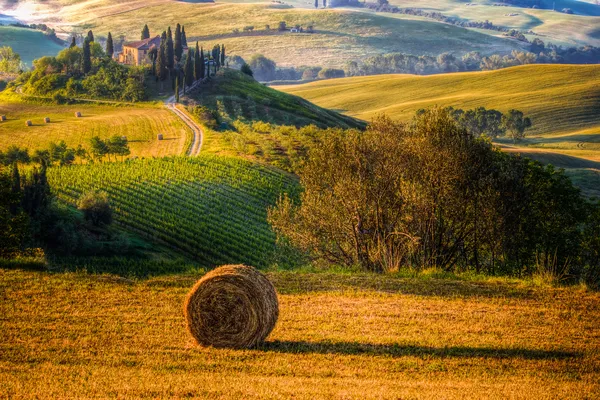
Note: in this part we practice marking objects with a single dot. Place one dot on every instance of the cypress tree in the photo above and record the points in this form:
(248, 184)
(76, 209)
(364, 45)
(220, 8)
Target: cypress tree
(73, 43)
(188, 69)
(316, 3)
(87, 57)
(222, 55)
(183, 37)
(170, 50)
(161, 59)
(324, 3)
(177, 89)
(145, 32)
(202, 64)
(178, 45)
(109, 46)
(90, 36)
(198, 63)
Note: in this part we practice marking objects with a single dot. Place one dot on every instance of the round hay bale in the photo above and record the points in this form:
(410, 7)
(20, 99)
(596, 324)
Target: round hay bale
(232, 306)
(77, 114)
(28, 123)
(159, 136)
(2, 117)
(47, 120)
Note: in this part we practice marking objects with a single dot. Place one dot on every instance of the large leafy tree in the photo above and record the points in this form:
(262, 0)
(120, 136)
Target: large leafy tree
(516, 124)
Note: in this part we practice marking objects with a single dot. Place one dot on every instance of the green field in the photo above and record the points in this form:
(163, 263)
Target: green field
(338, 336)
(29, 43)
(140, 124)
(211, 209)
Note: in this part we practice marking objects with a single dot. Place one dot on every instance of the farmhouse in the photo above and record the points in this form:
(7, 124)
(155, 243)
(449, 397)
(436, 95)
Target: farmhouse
(136, 53)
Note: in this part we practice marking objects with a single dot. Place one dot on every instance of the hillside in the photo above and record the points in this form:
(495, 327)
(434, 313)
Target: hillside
(211, 209)
(29, 43)
(338, 336)
(140, 124)
(558, 98)
(237, 96)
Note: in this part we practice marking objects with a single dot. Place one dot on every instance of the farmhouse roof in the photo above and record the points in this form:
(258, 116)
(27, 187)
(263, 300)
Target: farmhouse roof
(145, 44)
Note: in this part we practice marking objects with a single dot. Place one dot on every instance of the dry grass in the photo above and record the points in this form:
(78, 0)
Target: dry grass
(140, 124)
(340, 336)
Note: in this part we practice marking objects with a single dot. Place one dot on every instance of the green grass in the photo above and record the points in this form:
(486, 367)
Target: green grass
(558, 98)
(140, 124)
(338, 336)
(210, 209)
(29, 43)
(239, 97)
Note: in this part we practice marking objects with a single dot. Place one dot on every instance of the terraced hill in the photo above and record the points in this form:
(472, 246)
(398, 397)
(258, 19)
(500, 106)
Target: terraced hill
(211, 209)
(558, 98)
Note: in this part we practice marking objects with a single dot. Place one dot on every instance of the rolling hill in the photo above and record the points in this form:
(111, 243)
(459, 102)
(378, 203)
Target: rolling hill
(29, 43)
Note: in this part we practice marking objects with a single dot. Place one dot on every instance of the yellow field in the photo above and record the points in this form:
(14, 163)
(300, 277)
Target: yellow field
(140, 124)
(338, 336)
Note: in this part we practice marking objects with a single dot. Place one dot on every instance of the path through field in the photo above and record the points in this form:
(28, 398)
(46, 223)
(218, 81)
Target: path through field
(196, 145)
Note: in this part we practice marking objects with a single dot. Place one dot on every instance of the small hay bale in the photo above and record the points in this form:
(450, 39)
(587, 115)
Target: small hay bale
(28, 123)
(123, 137)
(78, 114)
(233, 306)
(47, 120)
(2, 117)
(159, 136)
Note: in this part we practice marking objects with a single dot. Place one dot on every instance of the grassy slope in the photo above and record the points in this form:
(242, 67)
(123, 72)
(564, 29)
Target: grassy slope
(338, 336)
(29, 43)
(210, 209)
(558, 98)
(237, 96)
(140, 124)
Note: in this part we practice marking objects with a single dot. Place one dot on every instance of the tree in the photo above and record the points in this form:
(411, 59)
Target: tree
(282, 26)
(145, 33)
(246, 70)
(188, 69)
(177, 89)
(90, 36)
(118, 146)
(59, 152)
(161, 59)
(316, 3)
(263, 68)
(10, 62)
(324, 3)
(13, 221)
(183, 37)
(198, 63)
(99, 148)
(109, 46)
(153, 55)
(515, 124)
(222, 53)
(86, 57)
(202, 63)
(96, 208)
(178, 44)
(73, 42)
(170, 52)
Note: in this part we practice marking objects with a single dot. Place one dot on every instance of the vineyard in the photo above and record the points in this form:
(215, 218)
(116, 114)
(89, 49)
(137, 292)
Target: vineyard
(212, 209)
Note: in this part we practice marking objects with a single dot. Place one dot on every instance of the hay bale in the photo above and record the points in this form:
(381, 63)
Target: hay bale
(47, 120)
(77, 114)
(28, 123)
(232, 306)
(159, 136)
(123, 137)
(2, 117)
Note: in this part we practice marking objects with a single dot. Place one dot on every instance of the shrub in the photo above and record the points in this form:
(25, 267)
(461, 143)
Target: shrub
(96, 208)
(329, 73)
(247, 70)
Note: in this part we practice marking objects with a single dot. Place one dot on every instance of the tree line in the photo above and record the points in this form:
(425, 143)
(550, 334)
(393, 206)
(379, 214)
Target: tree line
(430, 194)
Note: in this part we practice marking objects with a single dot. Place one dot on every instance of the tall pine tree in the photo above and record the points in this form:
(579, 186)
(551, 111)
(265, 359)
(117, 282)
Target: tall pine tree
(73, 43)
(170, 50)
(222, 54)
(145, 32)
(177, 89)
(87, 57)
(198, 63)
(188, 69)
(110, 50)
(90, 36)
(178, 45)
(183, 37)
(202, 64)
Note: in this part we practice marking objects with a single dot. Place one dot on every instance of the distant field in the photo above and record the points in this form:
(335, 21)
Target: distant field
(338, 336)
(29, 43)
(210, 209)
(140, 124)
(558, 98)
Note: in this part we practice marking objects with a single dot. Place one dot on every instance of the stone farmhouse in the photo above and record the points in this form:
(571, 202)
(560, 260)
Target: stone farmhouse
(136, 53)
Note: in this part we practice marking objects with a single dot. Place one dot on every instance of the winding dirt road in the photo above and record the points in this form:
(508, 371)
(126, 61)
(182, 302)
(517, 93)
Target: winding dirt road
(196, 145)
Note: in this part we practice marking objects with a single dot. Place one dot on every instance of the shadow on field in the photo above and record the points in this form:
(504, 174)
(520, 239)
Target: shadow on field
(296, 283)
(397, 350)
